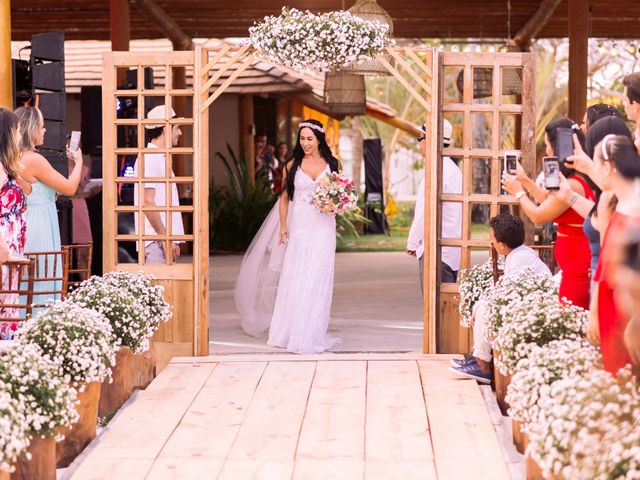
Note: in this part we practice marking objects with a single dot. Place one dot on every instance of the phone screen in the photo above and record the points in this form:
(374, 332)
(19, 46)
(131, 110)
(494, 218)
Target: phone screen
(551, 168)
(564, 144)
(74, 143)
(511, 163)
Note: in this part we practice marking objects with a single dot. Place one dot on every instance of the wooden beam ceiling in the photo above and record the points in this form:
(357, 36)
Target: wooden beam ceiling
(89, 19)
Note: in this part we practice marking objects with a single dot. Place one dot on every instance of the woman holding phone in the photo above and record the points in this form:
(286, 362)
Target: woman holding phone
(42, 183)
(572, 252)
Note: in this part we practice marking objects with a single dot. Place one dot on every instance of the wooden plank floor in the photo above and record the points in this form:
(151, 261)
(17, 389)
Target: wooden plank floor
(350, 416)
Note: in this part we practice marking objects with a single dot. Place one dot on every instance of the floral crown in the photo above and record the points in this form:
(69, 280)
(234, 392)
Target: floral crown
(311, 125)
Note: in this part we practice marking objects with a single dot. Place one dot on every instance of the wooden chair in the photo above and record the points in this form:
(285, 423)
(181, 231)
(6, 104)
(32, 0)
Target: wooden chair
(16, 290)
(49, 268)
(80, 260)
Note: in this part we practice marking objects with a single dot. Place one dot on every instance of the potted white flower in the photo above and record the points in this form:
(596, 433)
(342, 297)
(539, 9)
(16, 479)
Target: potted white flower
(49, 404)
(535, 321)
(579, 419)
(326, 42)
(500, 299)
(134, 307)
(14, 432)
(82, 342)
(474, 283)
(621, 458)
(535, 373)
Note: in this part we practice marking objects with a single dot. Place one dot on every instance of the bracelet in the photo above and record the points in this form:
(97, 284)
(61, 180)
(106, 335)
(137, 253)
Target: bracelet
(520, 194)
(574, 199)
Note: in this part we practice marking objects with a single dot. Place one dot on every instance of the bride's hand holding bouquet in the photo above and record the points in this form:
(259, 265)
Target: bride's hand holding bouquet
(335, 195)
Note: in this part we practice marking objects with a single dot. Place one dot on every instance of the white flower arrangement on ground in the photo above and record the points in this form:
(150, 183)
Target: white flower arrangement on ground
(534, 321)
(14, 430)
(133, 306)
(79, 339)
(304, 41)
(34, 381)
(511, 289)
(475, 282)
(621, 458)
(580, 419)
(547, 364)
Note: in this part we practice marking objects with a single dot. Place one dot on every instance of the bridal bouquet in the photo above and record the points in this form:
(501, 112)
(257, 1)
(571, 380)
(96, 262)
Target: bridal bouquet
(335, 195)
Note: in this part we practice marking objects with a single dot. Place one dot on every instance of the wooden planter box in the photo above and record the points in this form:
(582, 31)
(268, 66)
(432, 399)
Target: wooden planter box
(4, 475)
(144, 368)
(519, 437)
(81, 434)
(502, 383)
(42, 465)
(114, 394)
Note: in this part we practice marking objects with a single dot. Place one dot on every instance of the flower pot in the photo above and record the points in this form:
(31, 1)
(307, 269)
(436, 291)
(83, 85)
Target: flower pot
(144, 368)
(4, 475)
(80, 435)
(42, 465)
(532, 469)
(502, 383)
(114, 394)
(519, 437)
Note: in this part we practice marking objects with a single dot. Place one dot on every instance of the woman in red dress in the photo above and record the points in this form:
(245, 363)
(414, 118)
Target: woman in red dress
(616, 166)
(572, 251)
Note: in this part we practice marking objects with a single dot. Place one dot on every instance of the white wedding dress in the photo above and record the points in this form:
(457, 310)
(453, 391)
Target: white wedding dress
(288, 289)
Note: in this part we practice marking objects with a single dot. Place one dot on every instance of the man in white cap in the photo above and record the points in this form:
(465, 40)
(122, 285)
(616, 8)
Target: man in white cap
(451, 214)
(161, 135)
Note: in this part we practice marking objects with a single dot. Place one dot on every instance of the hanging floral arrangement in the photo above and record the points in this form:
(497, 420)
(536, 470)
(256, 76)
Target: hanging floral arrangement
(330, 41)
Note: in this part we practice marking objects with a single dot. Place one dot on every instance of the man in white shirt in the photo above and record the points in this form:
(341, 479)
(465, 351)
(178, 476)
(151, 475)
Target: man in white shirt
(451, 215)
(155, 194)
(507, 237)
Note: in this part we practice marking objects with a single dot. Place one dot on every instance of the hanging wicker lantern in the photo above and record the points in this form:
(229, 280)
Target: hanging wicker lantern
(344, 93)
(370, 10)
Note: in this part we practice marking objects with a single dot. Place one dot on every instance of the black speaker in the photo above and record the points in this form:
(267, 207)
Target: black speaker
(47, 76)
(53, 106)
(56, 136)
(48, 46)
(91, 120)
(57, 159)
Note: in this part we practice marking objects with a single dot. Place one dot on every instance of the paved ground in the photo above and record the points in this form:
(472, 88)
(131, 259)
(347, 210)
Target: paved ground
(376, 305)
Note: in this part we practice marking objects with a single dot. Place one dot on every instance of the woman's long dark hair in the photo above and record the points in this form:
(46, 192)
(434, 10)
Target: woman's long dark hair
(298, 155)
(597, 131)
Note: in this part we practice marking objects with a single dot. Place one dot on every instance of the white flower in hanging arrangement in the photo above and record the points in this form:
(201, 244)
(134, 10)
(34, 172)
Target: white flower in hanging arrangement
(330, 41)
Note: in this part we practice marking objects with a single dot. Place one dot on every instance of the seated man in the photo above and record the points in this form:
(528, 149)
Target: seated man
(507, 237)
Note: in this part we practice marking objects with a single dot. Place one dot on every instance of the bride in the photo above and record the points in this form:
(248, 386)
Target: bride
(285, 283)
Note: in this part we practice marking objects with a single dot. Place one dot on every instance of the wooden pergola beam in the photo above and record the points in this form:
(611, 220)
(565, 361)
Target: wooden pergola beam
(166, 24)
(536, 23)
(578, 57)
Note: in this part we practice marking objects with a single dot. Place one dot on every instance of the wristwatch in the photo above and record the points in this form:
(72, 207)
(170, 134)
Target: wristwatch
(520, 194)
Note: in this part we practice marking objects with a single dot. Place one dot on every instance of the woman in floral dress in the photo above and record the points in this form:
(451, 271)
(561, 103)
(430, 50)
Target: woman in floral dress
(12, 208)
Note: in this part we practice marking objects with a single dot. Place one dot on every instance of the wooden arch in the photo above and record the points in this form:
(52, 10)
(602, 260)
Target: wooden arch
(186, 282)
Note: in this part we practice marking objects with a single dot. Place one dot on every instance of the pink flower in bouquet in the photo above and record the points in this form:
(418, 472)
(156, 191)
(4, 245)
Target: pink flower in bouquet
(335, 195)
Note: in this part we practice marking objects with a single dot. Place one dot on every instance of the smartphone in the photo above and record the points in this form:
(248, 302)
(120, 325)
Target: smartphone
(551, 169)
(510, 162)
(564, 144)
(74, 143)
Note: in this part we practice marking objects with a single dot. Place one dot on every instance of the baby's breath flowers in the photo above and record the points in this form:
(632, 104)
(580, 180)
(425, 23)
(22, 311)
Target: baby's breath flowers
(132, 304)
(47, 401)
(474, 283)
(14, 429)
(304, 41)
(80, 340)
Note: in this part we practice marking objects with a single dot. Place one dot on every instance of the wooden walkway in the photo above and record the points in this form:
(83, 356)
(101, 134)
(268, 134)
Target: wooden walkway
(356, 416)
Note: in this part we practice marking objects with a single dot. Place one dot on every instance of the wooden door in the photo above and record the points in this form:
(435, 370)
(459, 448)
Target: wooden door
(134, 83)
(489, 98)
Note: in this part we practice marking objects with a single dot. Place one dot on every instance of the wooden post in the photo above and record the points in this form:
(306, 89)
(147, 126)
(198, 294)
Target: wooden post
(247, 133)
(578, 57)
(6, 77)
(120, 31)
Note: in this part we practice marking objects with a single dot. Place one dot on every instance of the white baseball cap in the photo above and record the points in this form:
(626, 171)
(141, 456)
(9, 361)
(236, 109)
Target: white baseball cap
(447, 130)
(158, 113)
